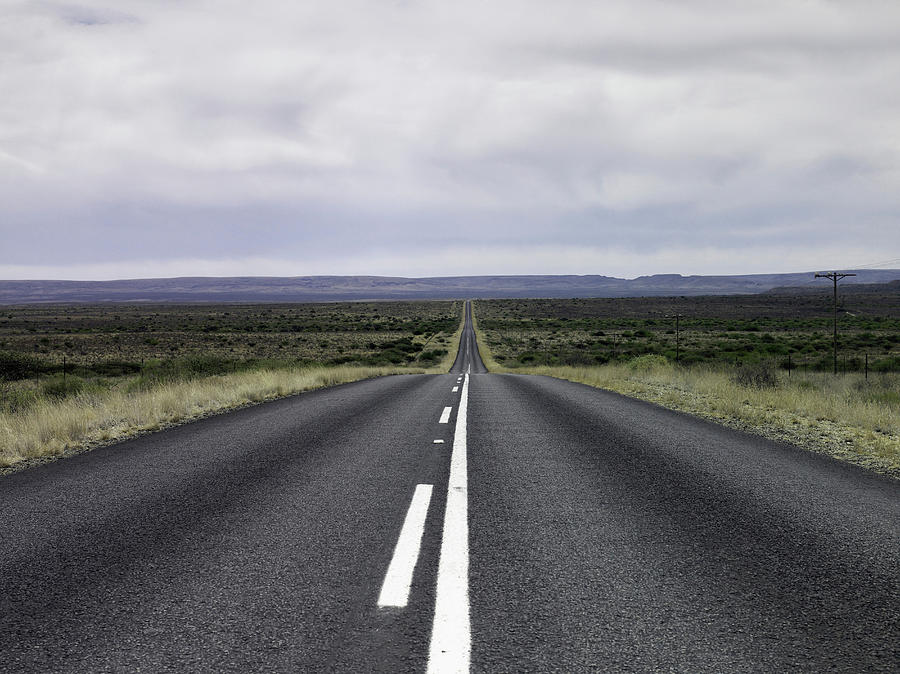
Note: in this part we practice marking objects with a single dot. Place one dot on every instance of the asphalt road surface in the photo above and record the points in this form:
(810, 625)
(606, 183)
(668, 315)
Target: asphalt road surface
(556, 528)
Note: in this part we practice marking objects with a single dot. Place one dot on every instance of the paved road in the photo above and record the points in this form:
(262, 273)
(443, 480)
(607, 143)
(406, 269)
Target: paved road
(566, 529)
(467, 358)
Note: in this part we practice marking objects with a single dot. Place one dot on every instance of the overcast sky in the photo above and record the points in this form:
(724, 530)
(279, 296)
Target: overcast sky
(145, 138)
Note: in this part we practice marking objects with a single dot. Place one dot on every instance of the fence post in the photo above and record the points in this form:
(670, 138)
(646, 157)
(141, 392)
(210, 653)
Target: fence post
(867, 367)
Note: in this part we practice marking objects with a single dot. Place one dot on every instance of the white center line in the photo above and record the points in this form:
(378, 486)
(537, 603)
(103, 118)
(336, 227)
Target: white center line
(450, 637)
(395, 589)
(455, 389)
(445, 415)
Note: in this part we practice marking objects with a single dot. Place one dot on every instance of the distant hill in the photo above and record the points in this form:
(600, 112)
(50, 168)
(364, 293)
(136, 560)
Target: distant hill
(344, 288)
(851, 289)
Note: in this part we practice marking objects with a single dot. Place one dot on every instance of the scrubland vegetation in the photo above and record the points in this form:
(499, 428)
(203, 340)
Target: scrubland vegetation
(733, 363)
(72, 377)
(778, 331)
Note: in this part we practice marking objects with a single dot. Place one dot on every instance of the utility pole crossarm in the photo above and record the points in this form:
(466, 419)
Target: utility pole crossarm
(834, 275)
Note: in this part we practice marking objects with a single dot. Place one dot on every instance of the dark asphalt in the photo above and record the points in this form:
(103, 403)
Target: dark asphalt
(608, 534)
(605, 534)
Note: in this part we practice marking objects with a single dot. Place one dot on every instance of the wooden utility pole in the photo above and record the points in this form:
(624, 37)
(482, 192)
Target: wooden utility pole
(677, 318)
(835, 277)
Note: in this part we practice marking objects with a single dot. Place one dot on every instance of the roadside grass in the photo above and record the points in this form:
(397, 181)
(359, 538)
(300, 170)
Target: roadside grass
(847, 417)
(53, 426)
(450, 345)
(44, 419)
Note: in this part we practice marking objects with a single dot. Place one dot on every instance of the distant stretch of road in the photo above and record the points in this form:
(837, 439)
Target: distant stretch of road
(466, 521)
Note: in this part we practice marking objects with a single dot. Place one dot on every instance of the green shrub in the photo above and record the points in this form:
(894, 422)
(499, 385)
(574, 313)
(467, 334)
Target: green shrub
(60, 387)
(755, 376)
(20, 366)
(432, 356)
(890, 364)
(16, 399)
(114, 368)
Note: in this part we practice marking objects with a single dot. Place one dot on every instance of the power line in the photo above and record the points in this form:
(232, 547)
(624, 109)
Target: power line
(874, 265)
(859, 267)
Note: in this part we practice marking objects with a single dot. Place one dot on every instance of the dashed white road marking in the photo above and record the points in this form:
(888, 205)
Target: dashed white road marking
(445, 415)
(455, 389)
(451, 634)
(438, 442)
(397, 580)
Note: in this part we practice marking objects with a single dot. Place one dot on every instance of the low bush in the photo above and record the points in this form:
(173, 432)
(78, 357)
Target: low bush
(14, 366)
(891, 364)
(755, 376)
(648, 363)
(432, 356)
(115, 368)
(15, 399)
(60, 387)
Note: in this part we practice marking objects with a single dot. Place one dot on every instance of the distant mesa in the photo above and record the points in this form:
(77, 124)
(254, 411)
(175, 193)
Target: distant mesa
(356, 288)
(891, 287)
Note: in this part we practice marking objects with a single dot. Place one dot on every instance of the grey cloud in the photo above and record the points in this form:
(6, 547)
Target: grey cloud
(86, 16)
(216, 130)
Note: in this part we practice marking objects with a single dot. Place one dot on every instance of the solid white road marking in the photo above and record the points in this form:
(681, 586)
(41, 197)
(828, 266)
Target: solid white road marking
(450, 637)
(445, 415)
(395, 589)
(455, 389)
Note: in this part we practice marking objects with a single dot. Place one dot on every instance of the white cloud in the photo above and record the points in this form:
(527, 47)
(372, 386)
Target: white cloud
(333, 127)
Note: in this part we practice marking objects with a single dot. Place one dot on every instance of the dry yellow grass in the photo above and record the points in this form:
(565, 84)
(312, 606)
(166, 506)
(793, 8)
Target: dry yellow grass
(846, 417)
(52, 427)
